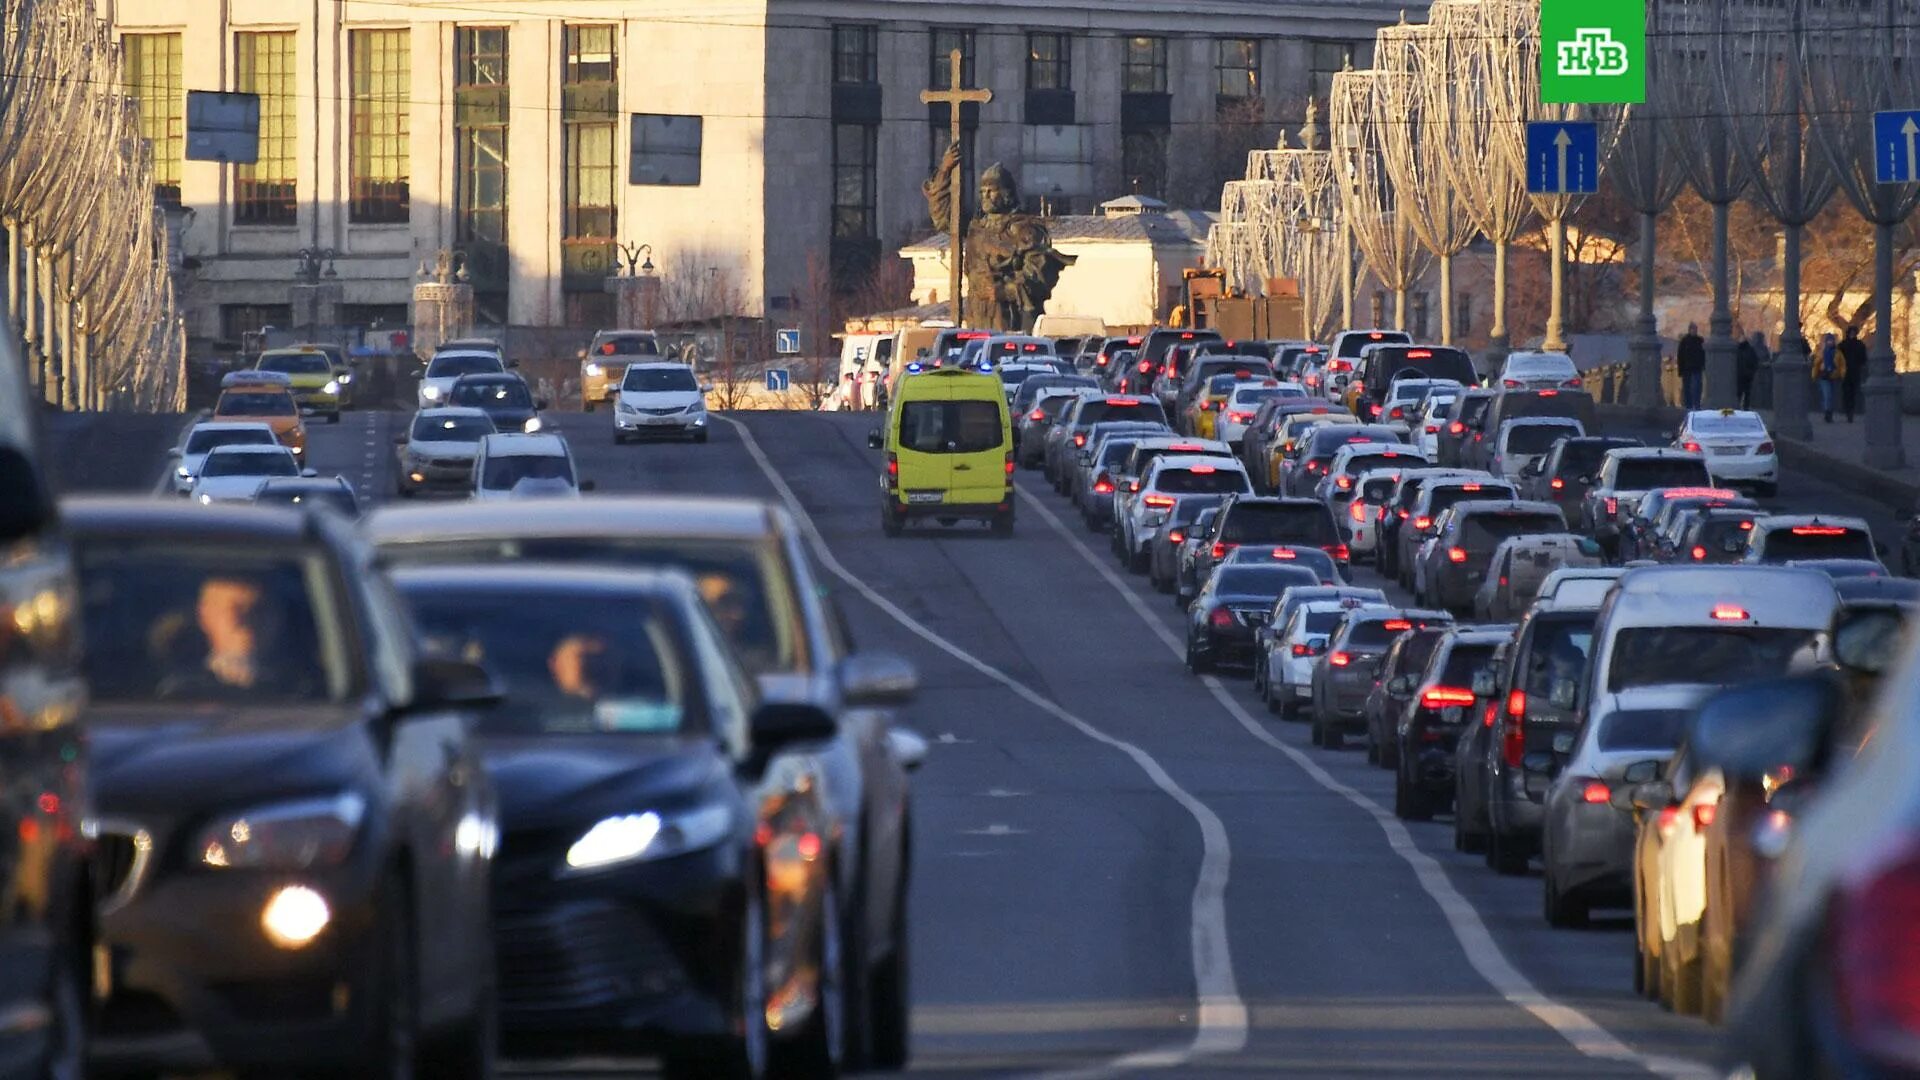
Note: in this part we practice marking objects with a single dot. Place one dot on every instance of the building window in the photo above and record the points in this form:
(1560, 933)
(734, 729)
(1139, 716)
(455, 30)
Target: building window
(1145, 68)
(154, 81)
(855, 168)
(939, 68)
(856, 54)
(382, 83)
(1236, 67)
(1143, 161)
(1462, 314)
(264, 192)
(481, 104)
(1419, 317)
(1049, 62)
(239, 321)
(588, 115)
(938, 135)
(1327, 60)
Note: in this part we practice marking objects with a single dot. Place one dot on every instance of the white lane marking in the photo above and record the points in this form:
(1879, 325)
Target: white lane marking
(1221, 1026)
(1582, 1031)
(995, 829)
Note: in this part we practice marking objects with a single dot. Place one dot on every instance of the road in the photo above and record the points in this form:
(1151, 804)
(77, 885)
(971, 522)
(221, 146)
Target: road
(1104, 843)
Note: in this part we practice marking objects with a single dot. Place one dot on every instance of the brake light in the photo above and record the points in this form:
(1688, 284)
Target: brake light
(1134, 340)
(1221, 547)
(1240, 417)
(1340, 365)
(1397, 414)
(1340, 659)
(1374, 409)
(1158, 502)
(1285, 553)
(1613, 506)
(1556, 483)
(1313, 466)
(1302, 650)
(1339, 552)
(893, 468)
(1456, 427)
(1357, 510)
(1100, 361)
(1419, 354)
(1123, 401)
(1423, 523)
(1704, 813)
(1668, 815)
(1186, 337)
(1513, 746)
(1764, 448)
(1690, 447)
(1176, 536)
(1133, 485)
(1573, 383)
(1396, 624)
(1079, 440)
(1549, 393)
(1511, 384)
(1343, 482)
(1818, 530)
(1433, 429)
(1729, 613)
(1486, 718)
(1186, 447)
(1456, 555)
(1037, 414)
(1699, 553)
(1202, 470)
(1010, 467)
(1469, 487)
(1595, 791)
(1746, 526)
(1442, 697)
(1403, 515)
(1103, 486)
(1220, 617)
(1375, 335)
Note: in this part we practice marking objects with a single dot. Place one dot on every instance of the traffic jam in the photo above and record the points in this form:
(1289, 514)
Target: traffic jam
(1613, 663)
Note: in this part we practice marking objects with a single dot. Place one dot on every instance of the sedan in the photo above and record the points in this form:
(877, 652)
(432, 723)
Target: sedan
(191, 455)
(438, 449)
(659, 398)
(1737, 445)
(234, 473)
(1232, 605)
(504, 397)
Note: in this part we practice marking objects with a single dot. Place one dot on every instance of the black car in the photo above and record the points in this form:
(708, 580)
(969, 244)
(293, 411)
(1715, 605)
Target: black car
(503, 396)
(1343, 679)
(1163, 551)
(664, 882)
(1232, 607)
(1564, 475)
(1464, 428)
(749, 561)
(1388, 364)
(1406, 658)
(1714, 536)
(1266, 520)
(46, 927)
(1436, 717)
(295, 832)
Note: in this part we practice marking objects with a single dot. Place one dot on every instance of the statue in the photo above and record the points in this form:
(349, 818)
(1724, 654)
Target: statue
(1010, 264)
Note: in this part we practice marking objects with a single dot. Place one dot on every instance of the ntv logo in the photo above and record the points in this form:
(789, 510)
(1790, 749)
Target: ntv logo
(1593, 51)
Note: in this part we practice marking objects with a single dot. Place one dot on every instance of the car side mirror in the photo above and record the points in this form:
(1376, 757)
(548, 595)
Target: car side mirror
(777, 724)
(706, 388)
(1867, 641)
(587, 485)
(877, 678)
(908, 747)
(1539, 761)
(309, 473)
(874, 440)
(1562, 743)
(443, 682)
(173, 452)
(1483, 684)
(1400, 685)
(1751, 731)
(1563, 694)
(1651, 796)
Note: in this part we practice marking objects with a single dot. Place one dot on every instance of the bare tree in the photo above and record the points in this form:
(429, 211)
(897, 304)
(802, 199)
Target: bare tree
(816, 369)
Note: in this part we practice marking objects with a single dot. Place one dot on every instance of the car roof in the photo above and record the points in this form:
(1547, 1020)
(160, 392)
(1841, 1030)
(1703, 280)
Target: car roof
(231, 425)
(1774, 522)
(1867, 591)
(1542, 421)
(1524, 355)
(468, 343)
(1726, 414)
(1491, 506)
(308, 483)
(644, 364)
(1643, 453)
(177, 519)
(1188, 461)
(516, 444)
(624, 333)
(1675, 590)
(629, 582)
(712, 516)
(1480, 633)
(249, 448)
(489, 377)
(452, 411)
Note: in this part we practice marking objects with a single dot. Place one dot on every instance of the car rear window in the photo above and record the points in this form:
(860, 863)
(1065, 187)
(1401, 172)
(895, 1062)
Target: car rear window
(949, 427)
(1320, 623)
(1559, 649)
(1255, 368)
(1419, 649)
(1475, 408)
(1817, 542)
(1265, 581)
(1642, 474)
(1351, 345)
(1122, 409)
(1537, 438)
(1715, 531)
(1375, 632)
(1717, 655)
(1114, 450)
(1200, 481)
(1582, 458)
(1463, 660)
(1385, 459)
(1051, 405)
(1728, 426)
(255, 403)
(1301, 523)
(296, 363)
(1491, 528)
(1643, 729)
(1445, 497)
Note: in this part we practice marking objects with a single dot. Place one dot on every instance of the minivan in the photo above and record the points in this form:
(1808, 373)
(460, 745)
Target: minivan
(949, 451)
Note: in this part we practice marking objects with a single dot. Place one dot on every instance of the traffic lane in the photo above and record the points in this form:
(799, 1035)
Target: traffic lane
(1323, 917)
(1025, 952)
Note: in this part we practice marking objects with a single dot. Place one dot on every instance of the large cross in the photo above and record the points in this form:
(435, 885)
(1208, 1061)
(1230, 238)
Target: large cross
(954, 96)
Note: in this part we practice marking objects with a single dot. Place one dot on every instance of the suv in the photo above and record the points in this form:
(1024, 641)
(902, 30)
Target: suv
(1343, 678)
(1464, 542)
(606, 357)
(1436, 717)
(1463, 427)
(1422, 517)
(1563, 476)
(1314, 453)
(1406, 658)
(1388, 364)
(1069, 431)
(1787, 537)
(1167, 479)
(1713, 536)
(1266, 519)
(1624, 476)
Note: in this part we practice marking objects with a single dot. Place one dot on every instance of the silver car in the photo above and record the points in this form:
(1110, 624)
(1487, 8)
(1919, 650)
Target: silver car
(438, 450)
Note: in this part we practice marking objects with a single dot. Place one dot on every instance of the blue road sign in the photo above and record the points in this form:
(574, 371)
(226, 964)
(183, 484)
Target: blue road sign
(786, 341)
(1563, 158)
(778, 379)
(1896, 146)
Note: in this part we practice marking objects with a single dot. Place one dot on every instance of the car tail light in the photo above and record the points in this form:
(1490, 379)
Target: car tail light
(1357, 510)
(1374, 410)
(1573, 383)
(1340, 659)
(1486, 718)
(1176, 536)
(1158, 502)
(1146, 366)
(1513, 746)
(1079, 441)
(1433, 429)
(1665, 822)
(1729, 613)
(1398, 413)
(1423, 523)
(1746, 526)
(1699, 553)
(1441, 697)
(1704, 813)
(1221, 547)
(1511, 384)
(1613, 506)
(1103, 486)
(1343, 482)
(1239, 417)
(1764, 448)
(1595, 791)
(1220, 617)
(1456, 555)
(1403, 515)
(1556, 483)
(1037, 414)
(1690, 447)
(1100, 361)
(1340, 552)
(1313, 466)
(1302, 650)
(1875, 957)
(1456, 427)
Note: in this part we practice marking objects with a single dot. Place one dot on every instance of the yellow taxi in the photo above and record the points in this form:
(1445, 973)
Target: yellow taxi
(1293, 429)
(1203, 414)
(604, 362)
(311, 377)
(949, 445)
(265, 397)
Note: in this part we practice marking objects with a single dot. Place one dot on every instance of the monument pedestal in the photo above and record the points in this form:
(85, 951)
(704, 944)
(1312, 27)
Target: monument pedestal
(316, 306)
(442, 311)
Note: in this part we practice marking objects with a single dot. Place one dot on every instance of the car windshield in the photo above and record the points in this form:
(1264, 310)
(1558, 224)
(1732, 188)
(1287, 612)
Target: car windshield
(1487, 530)
(492, 393)
(1643, 474)
(1717, 655)
(1296, 523)
(454, 364)
(1537, 438)
(656, 380)
(949, 427)
(1262, 581)
(569, 664)
(1715, 425)
(1818, 542)
(1560, 650)
(744, 582)
(1196, 481)
(194, 624)
(1643, 729)
(296, 363)
(256, 403)
(628, 345)
(336, 497)
(230, 463)
(206, 439)
(506, 470)
(451, 428)
(1383, 459)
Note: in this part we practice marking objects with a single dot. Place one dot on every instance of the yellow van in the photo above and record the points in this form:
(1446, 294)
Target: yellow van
(949, 450)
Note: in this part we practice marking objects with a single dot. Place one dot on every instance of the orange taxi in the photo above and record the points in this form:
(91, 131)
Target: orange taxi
(265, 397)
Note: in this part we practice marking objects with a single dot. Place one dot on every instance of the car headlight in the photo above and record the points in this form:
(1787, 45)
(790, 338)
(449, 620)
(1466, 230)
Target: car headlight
(332, 387)
(532, 425)
(647, 836)
(206, 500)
(346, 377)
(594, 369)
(431, 393)
(621, 406)
(285, 836)
(182, 473)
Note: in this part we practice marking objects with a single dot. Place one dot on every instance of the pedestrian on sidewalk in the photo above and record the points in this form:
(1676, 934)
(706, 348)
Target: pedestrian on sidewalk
(1829, 368)
(1746, 360)
(1690, 357)
(1854, 351)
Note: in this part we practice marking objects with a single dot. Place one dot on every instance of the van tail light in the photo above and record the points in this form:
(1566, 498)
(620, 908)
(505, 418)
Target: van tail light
(1302, 650)
(1103, 486)
(1340, 659)
(1220, 617)
(1513, 744)
(1704, 813)
(1699, 553)
(1357, 510)
(1443, 697)
(1556, 483)
(1595, 792)
(1690, 447)
(1764, 448)
(1010, 468)
(1456, 555)
(1340, 552)
(1158, 502)
(1874, 955)
(893, 469)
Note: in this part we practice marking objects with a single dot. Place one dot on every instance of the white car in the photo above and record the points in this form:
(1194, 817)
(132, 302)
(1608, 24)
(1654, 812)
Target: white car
(438, 449)
(448, 365)
(203, 439)
(1292, 651)
(517, 466)
(234, 473)
(660, 398)
(1169, 477)
(1738, 447)
(1241, 405)
(1535, 370)
(1406, 398)
(1434, 414)
(1015, 372)
(1524, 440)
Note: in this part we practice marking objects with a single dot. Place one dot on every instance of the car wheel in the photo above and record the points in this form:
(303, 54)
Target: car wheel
(888, 1006)
(66, 1044)
(742, 1054)
(586, 403)
(1505, 856)
(1003, 525)
(1197, 662)
(333, 417)
(1768, 491)
(817, 1049)
(1409, 804)
(1137, 562)
(1679, 981)
(1332, 738)
(1562, 911)
(701, 437)
(391, 1047)
(471, 1051)
(1467, 840)
(891, 524)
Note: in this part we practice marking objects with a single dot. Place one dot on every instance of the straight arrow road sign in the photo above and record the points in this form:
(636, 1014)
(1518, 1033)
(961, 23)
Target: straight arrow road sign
(1896, 146)
(1563, 158)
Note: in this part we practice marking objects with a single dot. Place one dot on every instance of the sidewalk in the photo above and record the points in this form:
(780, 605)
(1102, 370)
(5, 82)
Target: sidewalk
(1838, 452)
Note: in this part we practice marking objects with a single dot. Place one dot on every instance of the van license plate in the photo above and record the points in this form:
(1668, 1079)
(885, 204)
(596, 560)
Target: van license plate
(925, 496)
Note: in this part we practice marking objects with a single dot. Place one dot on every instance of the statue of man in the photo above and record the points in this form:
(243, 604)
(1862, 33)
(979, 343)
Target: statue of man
(1011, 266)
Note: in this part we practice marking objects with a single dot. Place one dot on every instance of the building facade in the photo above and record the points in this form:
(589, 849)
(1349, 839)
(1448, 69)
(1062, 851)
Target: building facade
(759, 144)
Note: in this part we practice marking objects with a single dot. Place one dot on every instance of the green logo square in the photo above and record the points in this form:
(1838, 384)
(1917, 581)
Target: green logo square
(1593, 52)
